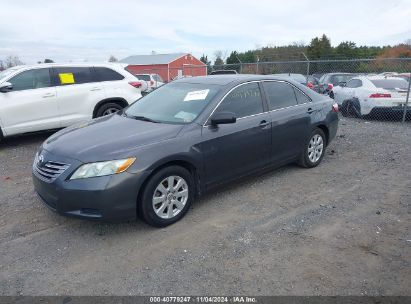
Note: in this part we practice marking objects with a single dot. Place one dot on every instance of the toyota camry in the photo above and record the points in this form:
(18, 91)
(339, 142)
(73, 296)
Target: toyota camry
(154, 158)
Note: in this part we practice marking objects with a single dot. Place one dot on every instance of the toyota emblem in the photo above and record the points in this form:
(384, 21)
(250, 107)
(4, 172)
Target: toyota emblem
(40, 159)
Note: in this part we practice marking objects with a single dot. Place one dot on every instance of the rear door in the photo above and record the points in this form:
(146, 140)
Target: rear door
(232, 150)
(290, 111)
(31, 105)
(78, 92)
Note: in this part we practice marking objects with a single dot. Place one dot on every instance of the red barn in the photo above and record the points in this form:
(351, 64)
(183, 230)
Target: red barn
(168, 66)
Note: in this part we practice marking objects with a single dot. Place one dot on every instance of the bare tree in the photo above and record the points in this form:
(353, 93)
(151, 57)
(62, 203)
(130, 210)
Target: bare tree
(112, 59)
(12, 61)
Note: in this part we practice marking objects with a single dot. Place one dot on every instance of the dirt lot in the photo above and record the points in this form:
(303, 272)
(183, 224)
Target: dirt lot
(342, 228)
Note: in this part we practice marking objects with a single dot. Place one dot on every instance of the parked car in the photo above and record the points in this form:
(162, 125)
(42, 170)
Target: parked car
(313, 83)
(300, 78)
(317, 75)
(371, 96)
(52, 96)
(406, 76)
(188, 136)
(330, 80)
(223, 72)
(309, 81)
(153, 81)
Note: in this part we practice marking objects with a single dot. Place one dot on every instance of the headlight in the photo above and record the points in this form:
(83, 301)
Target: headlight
(103, 168)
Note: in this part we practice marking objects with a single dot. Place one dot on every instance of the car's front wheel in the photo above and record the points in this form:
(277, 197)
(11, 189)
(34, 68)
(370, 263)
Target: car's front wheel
(166, 197)
(313, 150)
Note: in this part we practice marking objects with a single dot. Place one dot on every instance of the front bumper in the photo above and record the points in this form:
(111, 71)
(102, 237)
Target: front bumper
(108, 198)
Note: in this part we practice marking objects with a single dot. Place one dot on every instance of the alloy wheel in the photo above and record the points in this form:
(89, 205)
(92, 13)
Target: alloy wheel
(315, 148)
(170, 197)
(110, 111)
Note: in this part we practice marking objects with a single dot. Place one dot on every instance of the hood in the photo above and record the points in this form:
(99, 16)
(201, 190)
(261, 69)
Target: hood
(107, 138)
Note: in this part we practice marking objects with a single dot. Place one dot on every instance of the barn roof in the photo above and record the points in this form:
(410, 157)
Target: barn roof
(152, 59)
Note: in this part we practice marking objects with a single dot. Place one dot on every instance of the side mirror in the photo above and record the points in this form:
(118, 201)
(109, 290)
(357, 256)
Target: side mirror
(342, 84)
(223, 118)
(6, 87)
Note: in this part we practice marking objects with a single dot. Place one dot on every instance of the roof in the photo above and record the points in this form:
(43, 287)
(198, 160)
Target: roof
(152, 59)
(74, 64)
(229, 78)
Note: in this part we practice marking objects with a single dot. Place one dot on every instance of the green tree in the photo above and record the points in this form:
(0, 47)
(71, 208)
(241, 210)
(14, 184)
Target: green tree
(319, 48)
(207, 62)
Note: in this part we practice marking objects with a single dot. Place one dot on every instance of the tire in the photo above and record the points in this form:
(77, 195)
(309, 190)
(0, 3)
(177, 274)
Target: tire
(309, 160)
(351, 108)
(161, 205)
(108, 108)
(344, 108)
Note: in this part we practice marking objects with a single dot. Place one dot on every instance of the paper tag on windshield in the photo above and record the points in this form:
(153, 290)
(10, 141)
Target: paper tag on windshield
(197, 95)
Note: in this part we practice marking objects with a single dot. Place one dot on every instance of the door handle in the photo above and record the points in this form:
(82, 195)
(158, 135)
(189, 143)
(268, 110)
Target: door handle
(310, 110)
(48, 95)
(264, 123)
(95, 89)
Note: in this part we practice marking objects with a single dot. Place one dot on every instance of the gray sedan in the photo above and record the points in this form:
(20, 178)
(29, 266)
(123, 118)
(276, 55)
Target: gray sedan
(152, 159)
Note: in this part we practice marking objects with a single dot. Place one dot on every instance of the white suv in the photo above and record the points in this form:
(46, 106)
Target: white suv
(52, 96)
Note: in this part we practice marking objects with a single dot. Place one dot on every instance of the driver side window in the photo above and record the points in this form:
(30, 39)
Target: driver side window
(32, 79)
(243, 101)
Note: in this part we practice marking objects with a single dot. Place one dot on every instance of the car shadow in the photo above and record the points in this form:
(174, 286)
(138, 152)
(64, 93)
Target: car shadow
(26, 139)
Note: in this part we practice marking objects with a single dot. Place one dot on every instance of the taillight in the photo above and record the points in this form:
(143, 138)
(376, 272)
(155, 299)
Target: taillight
(330, 86)
(380, 95)
(335, 107)
(135, 84)
(310, 85)
(151, 82)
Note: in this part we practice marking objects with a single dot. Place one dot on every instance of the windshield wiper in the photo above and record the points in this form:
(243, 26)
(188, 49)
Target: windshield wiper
(143, 118)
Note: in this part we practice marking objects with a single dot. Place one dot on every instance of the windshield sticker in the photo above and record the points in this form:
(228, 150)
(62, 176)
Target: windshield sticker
(197, 95)
(187, 117)
(66, 78)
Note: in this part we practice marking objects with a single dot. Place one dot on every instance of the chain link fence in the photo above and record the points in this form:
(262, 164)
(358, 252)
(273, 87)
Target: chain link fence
(379, 88)
(374, 89)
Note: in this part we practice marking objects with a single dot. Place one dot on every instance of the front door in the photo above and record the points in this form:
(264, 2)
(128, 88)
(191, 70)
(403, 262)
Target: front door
(232, 150)
(31, 104)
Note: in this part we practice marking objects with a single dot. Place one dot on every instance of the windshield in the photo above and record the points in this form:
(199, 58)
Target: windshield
(174, 103)
(390, 83)
(7, 72)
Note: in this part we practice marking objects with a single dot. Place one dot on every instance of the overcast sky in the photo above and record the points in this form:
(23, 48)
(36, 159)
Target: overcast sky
(93, 30)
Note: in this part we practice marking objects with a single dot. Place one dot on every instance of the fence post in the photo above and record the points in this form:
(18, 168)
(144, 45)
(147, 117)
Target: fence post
(406, 102)
(308, 66)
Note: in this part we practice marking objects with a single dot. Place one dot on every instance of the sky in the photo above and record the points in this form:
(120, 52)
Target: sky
(89, 30)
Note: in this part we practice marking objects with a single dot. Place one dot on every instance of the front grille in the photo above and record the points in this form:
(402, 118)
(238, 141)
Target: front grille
(49, 171)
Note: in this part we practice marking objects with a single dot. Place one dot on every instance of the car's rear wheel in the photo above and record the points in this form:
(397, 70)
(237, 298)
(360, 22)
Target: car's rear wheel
(314, 150)
(108, 108)
(166, 197)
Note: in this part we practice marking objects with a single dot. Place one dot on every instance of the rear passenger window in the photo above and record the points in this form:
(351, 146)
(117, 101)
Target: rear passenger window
(106, 74)
(279, 94)
(301, 97)
(73, 75)
(243, 101)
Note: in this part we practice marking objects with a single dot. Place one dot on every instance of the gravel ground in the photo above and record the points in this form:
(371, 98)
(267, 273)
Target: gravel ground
(342, 228)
